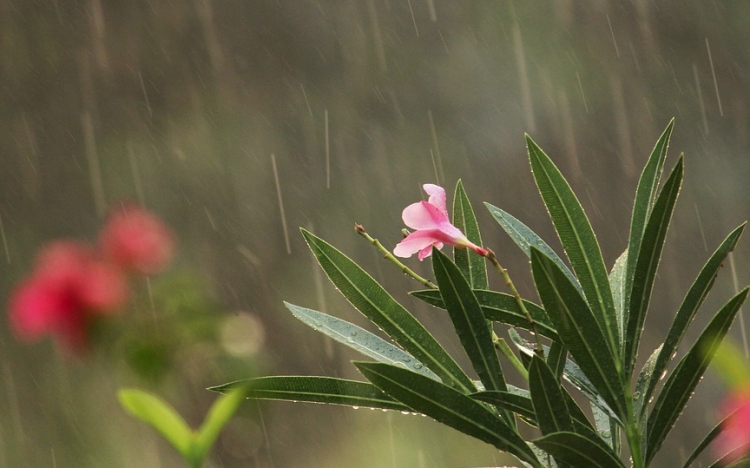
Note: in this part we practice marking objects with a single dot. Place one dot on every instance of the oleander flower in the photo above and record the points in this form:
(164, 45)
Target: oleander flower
(734, 440)
(136, 240)
(70, 286)
(432, 227)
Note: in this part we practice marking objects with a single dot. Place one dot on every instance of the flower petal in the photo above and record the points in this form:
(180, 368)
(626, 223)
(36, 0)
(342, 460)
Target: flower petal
(437, 197)
(423, 215)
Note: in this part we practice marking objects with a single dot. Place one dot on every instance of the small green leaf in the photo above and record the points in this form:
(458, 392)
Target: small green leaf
(472, 266)
(359, 339)
(579, 241)
(524, 238)
(306, 389)
(644, 377)
(500, 307)
(468, 320)
(220, 413)
(617, 283)
(646, 264)
(550, 407)
(578, 450)
(606, 427)
(448, 406)
(681, 383)
(694, 298)
(712, 434)
(161, 416)
(369, 297)
(579, 331)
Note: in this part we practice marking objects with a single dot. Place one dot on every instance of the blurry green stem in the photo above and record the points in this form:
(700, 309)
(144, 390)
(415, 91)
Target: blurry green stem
(502, 346)
(509, 282)
(389, 256)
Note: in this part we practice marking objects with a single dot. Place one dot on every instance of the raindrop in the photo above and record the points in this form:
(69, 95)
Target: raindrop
(418, 365)
(637, 395)
(354, 333)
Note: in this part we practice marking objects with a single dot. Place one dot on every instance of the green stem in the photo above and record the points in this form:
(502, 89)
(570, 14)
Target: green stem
(389, 256)
(502, 346)
(633, 433)
(509, 282)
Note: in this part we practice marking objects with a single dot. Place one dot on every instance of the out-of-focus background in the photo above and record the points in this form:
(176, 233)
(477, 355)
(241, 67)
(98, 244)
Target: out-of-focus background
(215, 114)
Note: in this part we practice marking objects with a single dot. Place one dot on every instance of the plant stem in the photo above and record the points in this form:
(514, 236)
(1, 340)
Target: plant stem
(389, 256)
(509, 282)
(632, 431)
(502, 346)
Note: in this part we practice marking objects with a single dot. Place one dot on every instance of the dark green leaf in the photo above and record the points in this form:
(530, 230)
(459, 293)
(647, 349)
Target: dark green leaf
(375, 303)
(500, 307)
(474, 267)
(712, 434)
(468, 320)
(647, 262)
(550, 406)
(682, 382)
(519, 404)
(556, 358)
(644, 198)
(690, 305)
(315, 390)
(578, 450)
(578, 330)
(447, 406)
(359, 339)
(579, 241)
(524, 238)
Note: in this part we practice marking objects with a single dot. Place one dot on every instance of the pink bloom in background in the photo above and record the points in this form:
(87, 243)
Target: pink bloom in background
(734, 438)
(432, 227)
(68, 287)
(136, 240)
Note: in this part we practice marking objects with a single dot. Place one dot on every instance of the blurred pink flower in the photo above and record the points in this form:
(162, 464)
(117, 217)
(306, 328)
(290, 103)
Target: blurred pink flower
(734, 440)
(136, 240)
(432, 227)
(68, 287)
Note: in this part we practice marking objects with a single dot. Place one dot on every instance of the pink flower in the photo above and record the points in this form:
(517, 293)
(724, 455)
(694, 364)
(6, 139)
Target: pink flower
(136, 240)
(734, 439)
(432, 227)
(68, 287)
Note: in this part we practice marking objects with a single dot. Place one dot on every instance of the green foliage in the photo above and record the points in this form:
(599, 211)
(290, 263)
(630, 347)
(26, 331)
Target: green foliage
(586, 332)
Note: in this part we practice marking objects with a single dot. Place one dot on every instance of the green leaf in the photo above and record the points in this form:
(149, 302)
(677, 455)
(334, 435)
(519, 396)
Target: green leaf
(607, 428)
(306, 389)
(500, 307)
(578, 330)
(220, 413)
(359, 339)
(617, 283)
(556, 358)
(468, 320)
(448, 406)
(578, 450)
(550, 406)
(681, 383)
(694, 298)
(369, 297)
(712, 434)
(519, 404)
(647, 262)
(524, 238)
(579, 241)
(644, 377)
(645, 195)
(472, 266)
(161, 416)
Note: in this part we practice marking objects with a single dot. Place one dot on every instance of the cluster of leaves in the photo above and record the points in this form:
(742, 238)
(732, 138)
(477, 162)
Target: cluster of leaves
(590, 319)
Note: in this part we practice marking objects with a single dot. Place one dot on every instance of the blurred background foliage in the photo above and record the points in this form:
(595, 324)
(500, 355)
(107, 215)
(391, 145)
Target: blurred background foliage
(213, 113)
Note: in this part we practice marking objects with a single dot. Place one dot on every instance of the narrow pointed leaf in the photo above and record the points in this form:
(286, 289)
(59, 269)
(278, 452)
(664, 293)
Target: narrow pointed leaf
(681, 383)
(556, 358)
(500, 307)
(578, 450)
(220, 413)
(447, 406)
(712, 434)
(160, 415)
(578, 240)
(474, 267)
(694, 298)
(359, 339)
(369, 297)
(607, 428)
(644, 199)
(519, 404)
(617, 283)
(468, 320)
(306, 389)
(578, 330)
(524, 238)
(644, 377)
(550, 406)
(647, 262)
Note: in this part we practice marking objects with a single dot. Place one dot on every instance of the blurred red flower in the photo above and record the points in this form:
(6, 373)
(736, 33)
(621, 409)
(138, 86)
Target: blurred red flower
(734, 440)
(136, 240)
(69, 286)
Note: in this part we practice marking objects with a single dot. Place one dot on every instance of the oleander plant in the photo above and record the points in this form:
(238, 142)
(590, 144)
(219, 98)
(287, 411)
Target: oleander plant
(585, 400)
